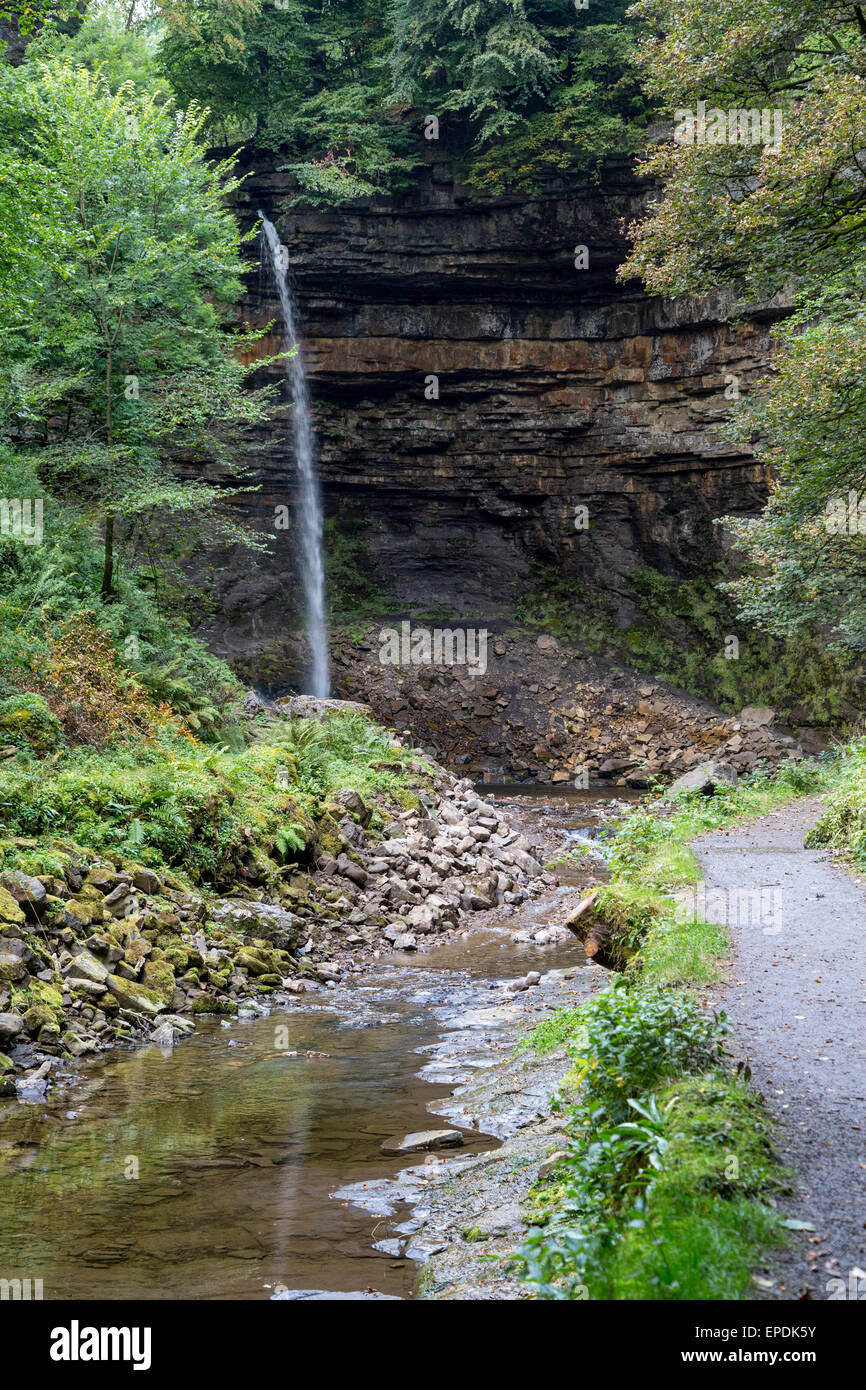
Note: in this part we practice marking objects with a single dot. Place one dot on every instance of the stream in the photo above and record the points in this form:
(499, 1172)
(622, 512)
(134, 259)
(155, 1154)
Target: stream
(229, 1167)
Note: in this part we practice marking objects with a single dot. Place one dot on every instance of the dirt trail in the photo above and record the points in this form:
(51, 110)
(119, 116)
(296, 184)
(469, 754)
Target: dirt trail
(796, 997)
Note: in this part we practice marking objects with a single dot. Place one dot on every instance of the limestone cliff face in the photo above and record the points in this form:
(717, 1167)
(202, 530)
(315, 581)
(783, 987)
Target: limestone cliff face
(555, 388)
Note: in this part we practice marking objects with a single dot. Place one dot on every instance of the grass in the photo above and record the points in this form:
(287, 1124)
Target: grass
(667, 1191)
(707, 1220)
(675, 1205)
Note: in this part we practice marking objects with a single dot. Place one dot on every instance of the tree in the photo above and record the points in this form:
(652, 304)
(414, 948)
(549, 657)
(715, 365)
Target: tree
(342, 87)
(307, 78)
(782, 215)
(543, 86)
(117, 361)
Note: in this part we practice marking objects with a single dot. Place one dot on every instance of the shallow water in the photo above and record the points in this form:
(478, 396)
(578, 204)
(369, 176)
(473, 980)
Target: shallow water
(208, 1172)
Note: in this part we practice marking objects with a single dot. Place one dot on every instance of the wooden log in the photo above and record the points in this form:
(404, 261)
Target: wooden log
(594, 934)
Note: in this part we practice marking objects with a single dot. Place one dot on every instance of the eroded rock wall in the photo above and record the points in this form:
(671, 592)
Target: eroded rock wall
(555, 388)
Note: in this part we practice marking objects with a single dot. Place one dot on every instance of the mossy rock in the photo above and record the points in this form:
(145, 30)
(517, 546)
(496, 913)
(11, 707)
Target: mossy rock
(81, 916)
(206, 1004)
(38, 1017)
(9, 909)
(177, 956)
(328, 836)
(29, 722)
(159, 977)
(43, 992)
(138, 949)
(254, 962)
(139, 999)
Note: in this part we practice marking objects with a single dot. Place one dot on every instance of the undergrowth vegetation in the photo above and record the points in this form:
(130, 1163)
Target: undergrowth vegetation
(680, 636)
(843, 824)
(668, 1184)
(104, 670)
(214, 813)
(663, 1192)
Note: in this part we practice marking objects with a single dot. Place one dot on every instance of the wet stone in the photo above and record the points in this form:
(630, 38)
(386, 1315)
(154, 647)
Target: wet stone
(423, 1141)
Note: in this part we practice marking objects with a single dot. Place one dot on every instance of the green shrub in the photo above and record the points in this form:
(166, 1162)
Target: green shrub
(669, 1203)
(630, 1039)
(213, 813)
(27, 721)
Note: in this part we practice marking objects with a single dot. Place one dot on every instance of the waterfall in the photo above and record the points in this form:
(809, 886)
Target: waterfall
(310, 504)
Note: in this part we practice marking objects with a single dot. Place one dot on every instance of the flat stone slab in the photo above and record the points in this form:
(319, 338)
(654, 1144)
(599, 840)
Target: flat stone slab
(307, 1295)
(423, 1141)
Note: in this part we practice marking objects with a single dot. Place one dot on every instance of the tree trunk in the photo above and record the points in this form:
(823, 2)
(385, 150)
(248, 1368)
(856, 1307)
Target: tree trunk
(108, 563)
(108, 566)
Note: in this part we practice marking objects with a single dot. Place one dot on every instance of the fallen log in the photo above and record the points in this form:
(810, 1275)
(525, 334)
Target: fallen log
(599, 941)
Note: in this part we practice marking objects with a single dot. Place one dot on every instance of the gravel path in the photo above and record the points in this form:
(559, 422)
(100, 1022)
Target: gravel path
(796, 997)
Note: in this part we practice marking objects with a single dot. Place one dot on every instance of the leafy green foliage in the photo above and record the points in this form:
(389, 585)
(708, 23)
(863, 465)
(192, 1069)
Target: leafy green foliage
(214, 813)
(523, 89)
(843, 823)
(41, 586)
(542, 88)
(28, 722)
(115, 359)
(670, 1204)
(306, 79)
(763, 220)
(628, 1040)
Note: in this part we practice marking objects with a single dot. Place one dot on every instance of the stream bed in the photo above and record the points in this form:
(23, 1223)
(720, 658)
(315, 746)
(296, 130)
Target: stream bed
(229, 1167)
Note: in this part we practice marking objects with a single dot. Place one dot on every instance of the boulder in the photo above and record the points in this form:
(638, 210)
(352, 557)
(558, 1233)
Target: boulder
(119, 902)
(757, 716)
(133, 997)
(85, 966)
(80, 916)
(550, 1163)
(423, 1141)
(146, 881)
(252, 963)
(706, 777)
(165, 1035)
(525, 861)
(12, 967)
(10, 1025)
(353, 872)
(26, 891)
(354, 805)
(9, 909)
(422, 919)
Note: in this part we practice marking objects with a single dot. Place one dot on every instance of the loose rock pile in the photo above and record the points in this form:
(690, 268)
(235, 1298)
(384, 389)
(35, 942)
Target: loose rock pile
(541, 712)
(458, 856)
(112, 951)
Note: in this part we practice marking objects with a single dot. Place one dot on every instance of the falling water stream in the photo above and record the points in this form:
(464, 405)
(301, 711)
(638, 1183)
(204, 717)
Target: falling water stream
(310, 505)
